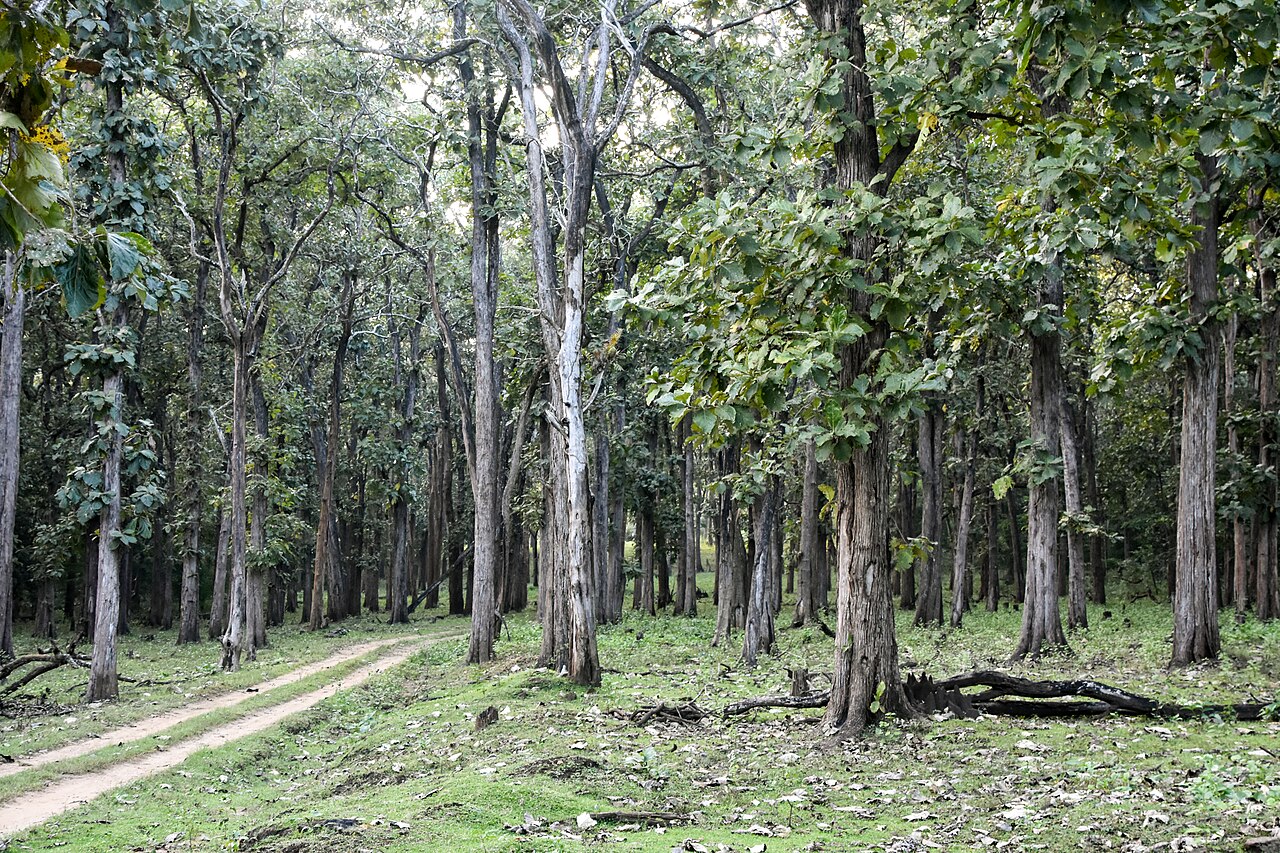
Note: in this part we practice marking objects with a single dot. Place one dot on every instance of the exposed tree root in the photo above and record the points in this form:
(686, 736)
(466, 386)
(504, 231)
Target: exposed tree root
(41, 662)
(1084, 699)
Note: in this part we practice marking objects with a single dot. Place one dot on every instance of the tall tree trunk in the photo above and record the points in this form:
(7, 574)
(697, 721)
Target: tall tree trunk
(563, 318)
(1077, 612)
(15, 301)
(992, 583)
(234, 641)
(221, 557)
(731, 556)
(810, 541)
(1239, 530)
(256, 576)
(692, 547)
(481, 153)
(930, 443)
(908, 517)
(189, 606)
(1097, 542)
(1195, 606)
(961, 575)
(1266, 547)
(103, 683)
(866, 682)
(407, 379)
(326, 469)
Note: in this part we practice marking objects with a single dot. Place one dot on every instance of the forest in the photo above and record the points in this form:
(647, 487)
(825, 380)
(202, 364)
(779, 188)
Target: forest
(758, 375)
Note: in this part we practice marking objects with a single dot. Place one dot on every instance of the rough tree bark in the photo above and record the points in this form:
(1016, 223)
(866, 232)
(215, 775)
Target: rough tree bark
(1195, 604)
(1077, 611)
(189, 598)
(929, 599)
(327, 467)
(807, 583)
(1266, 547)
(866, 654)
(758, 636)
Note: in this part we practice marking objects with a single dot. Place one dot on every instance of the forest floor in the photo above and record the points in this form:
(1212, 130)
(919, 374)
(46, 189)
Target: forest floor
(398, 762)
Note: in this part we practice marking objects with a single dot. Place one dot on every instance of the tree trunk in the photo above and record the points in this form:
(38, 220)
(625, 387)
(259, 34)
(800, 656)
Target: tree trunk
(15, 300)
(1077, 613)
(692, 547)
(810, 542)
(562, 321)
(1266, 526)
(1195, 605)
(255, 579)
(218, 603)
(189, 606)
(731, 556)
(961, 576)
(908, 516)
(103, 682)
(929, 600)
(758, 637)
(326, 469)
(992, 582)
(234, 641)
(481, 152)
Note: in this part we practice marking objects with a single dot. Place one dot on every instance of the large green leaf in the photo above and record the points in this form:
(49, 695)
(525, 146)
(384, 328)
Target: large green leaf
(123, 256)
(82, 286)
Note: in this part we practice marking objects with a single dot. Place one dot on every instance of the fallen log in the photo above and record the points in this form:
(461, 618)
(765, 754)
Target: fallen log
(813, 700)
(688, 713)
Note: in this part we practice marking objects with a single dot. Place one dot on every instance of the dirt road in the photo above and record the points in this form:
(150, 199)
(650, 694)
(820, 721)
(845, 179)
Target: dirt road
(35, 807)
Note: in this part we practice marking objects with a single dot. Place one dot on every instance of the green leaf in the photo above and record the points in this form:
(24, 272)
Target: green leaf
(82, 286)
(1001, 487)
(123, 256)
(705, 421)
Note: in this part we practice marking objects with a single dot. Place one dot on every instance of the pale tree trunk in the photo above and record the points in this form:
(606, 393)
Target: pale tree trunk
(562, 314)
(234, 639)
(758, 636)
(929, 600)
(810, 541)
(15, 298)
(103, 683)
(1195, 605)
(960, 573)
(1077, 611)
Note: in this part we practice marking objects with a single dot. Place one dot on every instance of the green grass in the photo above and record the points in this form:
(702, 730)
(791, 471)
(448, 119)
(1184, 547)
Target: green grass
(399, 757)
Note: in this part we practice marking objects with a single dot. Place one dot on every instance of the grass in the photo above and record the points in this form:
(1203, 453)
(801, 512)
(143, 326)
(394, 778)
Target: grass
(398, 765)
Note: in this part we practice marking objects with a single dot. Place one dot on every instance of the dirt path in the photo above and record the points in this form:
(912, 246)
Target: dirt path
(156, 725)
(28, 810)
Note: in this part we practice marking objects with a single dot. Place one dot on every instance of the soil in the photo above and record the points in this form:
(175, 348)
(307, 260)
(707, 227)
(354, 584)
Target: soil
(32, 808)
